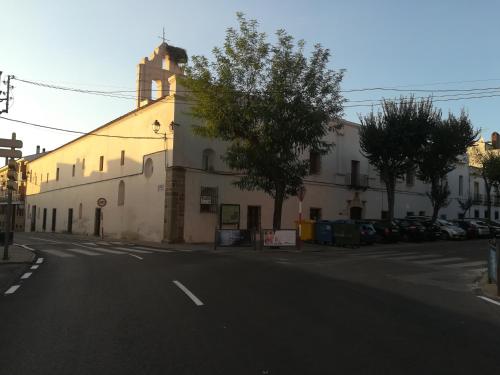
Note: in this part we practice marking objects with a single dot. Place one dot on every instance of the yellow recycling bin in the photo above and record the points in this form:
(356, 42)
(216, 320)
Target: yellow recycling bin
(307, 229)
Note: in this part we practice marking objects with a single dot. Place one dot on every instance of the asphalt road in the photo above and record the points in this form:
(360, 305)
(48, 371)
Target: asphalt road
(117, 309)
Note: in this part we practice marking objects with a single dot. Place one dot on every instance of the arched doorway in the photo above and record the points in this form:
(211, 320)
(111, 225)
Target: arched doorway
(355, 213)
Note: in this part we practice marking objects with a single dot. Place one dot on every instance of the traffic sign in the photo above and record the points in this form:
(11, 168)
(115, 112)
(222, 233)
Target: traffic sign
(11, 143)
(6, 153)
(101, 202)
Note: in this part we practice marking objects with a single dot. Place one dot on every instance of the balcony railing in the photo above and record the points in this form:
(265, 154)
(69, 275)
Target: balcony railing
(356, 181)
(16, 196)
(477, 199)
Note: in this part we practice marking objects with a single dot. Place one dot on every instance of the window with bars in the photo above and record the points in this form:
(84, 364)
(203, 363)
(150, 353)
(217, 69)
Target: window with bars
(208, 199)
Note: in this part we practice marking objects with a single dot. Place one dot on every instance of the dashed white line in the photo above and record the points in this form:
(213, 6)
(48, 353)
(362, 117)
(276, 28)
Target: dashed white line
(26, 275)
(39, 261)
(489, 300)
(195, 299)
(34, 267)
(12, 289)
(436, 261)
(135, 256)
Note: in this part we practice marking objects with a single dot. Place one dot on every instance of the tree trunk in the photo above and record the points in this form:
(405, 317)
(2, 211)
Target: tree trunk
(391, 188)
(487, 187)
(435, 204)
(278, 206)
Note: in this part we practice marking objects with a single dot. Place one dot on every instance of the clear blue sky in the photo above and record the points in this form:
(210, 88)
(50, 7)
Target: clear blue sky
(97, 45)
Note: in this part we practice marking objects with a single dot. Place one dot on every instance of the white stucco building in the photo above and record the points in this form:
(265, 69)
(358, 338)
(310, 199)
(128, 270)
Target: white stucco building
(171, 189)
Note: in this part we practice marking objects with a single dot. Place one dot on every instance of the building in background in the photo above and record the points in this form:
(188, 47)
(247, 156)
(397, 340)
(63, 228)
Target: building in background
(161, 182)
(19, 196)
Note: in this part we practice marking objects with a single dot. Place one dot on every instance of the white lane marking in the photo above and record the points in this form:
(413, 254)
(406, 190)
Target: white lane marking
(116, 243)
(25, 247)
(26, 275)
(99, 249)
(195, 299)
(89, 243)
(39, 261)
(58, 253)
(435, 261)
(34, 267)
(104, 243)
(43, 239)
(84, 252)
(415, 257)
(378, 255)
(135, 256)
(12, 289)
(153, 250)
(489, 300)
(467, 264)
(133, 250)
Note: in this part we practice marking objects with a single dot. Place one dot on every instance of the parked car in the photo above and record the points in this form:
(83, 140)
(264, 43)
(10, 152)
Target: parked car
(410, 230)
(473, 228)
(368, 235)
(493, 226)
(432, 230)
(387, 231)
(450, 231)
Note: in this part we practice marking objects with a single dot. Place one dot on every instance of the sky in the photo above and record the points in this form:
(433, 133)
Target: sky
(96, 45)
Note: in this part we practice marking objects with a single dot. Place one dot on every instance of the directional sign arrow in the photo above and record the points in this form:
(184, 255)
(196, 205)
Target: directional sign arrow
(6, 153)
(13, 143)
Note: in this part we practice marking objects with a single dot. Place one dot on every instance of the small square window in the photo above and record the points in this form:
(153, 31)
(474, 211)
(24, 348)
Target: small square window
(122, 158)
(101, 163)
(73, 171)
(315, 213)
(57, 174)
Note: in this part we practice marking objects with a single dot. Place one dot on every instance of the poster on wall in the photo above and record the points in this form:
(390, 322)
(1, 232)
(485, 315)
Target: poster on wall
(230, 214)
(284, 237)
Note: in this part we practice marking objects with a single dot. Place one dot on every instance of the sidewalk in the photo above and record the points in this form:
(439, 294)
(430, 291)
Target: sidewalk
(11, 269)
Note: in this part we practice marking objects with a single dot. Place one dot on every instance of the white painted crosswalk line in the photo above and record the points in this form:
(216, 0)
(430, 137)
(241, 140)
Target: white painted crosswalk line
(84, 252)
(466, 264)
(153, 250)
(407, 256)
(103, 243)
(99, 249)
(437, 261)
(58, 253)
(134, 250)
(382, 255)
(89, 243)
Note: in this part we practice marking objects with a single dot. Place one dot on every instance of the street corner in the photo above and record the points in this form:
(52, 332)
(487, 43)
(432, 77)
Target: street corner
(488, 291)
(20, 259)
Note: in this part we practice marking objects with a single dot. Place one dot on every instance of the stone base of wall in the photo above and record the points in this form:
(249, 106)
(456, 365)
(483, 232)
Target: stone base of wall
(174, 205)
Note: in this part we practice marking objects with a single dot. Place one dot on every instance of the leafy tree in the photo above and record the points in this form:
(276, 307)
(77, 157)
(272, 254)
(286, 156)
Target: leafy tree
(465, 205)
(488, 167)
(392, 139)
(270, 103)
(447, 141)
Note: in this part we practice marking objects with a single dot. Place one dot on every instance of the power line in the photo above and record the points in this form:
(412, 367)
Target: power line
(436, 100)
(76, 131)
(461, 95)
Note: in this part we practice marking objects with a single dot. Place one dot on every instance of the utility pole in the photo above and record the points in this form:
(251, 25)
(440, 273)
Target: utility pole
(10, 153)
(7, 98)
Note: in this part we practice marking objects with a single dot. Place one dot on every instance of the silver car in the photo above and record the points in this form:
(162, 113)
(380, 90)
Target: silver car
(450, 231)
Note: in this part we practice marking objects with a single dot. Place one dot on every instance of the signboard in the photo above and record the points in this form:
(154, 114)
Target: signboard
(11, 143)
(283, 237)
(230, 214)
(6, 153)
(233, 237)
(101, 202)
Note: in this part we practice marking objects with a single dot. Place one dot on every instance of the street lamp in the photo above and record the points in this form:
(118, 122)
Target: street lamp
(156, 126)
